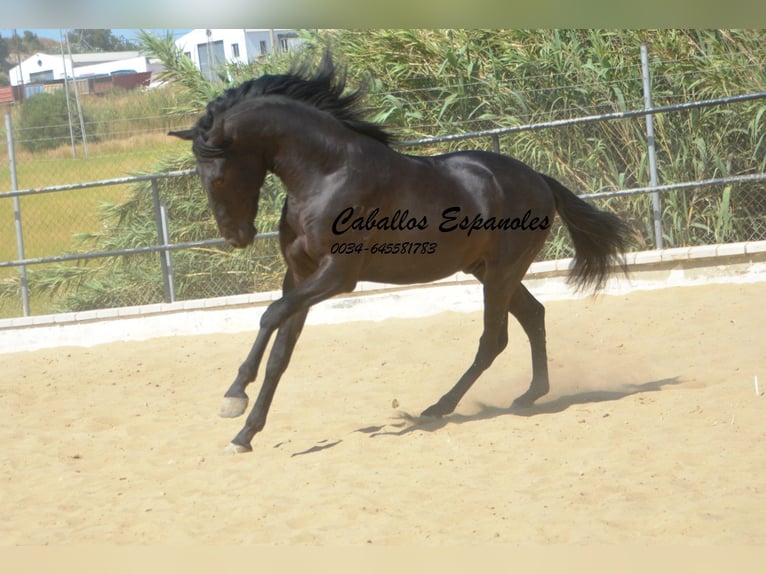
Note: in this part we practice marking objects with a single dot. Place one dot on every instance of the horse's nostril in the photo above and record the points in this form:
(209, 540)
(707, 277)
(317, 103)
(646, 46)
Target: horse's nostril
(240, 237)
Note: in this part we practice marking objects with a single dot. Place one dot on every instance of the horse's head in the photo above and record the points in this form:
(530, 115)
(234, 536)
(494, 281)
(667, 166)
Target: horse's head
(232, 177)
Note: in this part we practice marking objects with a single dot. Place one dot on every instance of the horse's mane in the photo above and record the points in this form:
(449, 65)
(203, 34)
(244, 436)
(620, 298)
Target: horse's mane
(322, 89)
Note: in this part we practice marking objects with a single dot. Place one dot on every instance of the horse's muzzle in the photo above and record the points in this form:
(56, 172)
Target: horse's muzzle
(241, 237)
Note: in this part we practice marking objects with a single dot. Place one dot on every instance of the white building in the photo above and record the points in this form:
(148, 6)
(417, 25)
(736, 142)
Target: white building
(42, 68)
(210, 49)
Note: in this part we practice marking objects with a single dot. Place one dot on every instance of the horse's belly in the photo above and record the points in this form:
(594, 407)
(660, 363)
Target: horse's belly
(407, 269)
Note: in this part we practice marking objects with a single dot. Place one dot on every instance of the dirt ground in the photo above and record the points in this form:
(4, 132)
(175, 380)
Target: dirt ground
(652, 433)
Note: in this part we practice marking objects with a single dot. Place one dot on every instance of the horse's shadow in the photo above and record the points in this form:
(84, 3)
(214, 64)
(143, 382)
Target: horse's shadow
(410, 423)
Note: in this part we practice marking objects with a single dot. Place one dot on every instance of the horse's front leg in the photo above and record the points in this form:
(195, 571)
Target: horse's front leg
(287, 314)
(287, 337)
(235, 399)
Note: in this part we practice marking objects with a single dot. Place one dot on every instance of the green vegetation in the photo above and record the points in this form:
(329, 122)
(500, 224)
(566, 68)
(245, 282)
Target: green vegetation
(45, 121)
(42, 123)
(52, 221)
(434, 82)
(98, 40)
(127, 135)
(442, 82)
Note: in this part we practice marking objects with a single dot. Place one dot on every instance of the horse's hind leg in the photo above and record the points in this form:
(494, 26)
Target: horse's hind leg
(530, 313)
(493, 340)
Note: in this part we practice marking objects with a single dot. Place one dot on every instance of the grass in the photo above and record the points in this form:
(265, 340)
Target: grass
(127, 134)
(51, 221)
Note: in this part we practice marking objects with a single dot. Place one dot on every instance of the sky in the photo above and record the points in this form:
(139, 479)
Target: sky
(54, 33)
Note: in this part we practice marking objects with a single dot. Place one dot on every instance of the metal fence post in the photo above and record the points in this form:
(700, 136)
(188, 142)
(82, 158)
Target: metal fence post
(17, 215)
(166, 253)
(166, 261)
(165, 248)
(656, 208)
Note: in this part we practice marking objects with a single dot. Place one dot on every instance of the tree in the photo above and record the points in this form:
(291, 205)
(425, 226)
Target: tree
(45, 121)
(31, 42)
(5, 65)
(84, 40)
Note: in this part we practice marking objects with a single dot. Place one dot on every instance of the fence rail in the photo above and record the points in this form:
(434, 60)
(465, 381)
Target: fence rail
(165, 247)
(495, 133)
(94, 184)
(169, 247)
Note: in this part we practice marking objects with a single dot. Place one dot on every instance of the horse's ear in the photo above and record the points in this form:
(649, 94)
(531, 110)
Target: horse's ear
(183, 134)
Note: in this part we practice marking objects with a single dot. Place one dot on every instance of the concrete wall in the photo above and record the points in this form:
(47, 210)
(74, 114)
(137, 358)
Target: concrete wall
(709, 264)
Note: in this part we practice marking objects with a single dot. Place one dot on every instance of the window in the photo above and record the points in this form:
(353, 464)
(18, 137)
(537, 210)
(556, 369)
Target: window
(211, 58)
(263, 47)
(235, 50)
(286, 41)
(40, 77)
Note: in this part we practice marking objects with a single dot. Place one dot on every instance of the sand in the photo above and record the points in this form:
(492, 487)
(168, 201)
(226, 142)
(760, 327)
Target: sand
(652, 433)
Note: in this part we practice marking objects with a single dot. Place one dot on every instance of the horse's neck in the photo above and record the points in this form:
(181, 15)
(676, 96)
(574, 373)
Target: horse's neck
(307, 145)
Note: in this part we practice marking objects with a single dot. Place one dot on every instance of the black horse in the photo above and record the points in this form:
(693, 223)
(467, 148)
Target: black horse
(356, 210)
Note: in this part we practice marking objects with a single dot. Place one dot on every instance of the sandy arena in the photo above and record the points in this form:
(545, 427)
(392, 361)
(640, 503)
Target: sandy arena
(653, 433)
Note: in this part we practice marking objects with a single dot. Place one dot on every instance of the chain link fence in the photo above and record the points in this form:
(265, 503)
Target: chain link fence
(125, 241)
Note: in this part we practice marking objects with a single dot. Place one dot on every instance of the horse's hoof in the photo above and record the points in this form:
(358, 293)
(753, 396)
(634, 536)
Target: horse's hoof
(232, 448)
(431, 413)
(524, 401)
(232, 407)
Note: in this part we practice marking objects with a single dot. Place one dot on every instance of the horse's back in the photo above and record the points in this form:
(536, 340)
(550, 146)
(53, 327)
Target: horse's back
(508, 180)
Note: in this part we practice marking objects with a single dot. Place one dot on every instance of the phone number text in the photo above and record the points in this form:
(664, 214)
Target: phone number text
(400, 248)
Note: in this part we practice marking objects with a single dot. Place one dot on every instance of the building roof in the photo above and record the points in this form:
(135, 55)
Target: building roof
(6, 95)
(41, 62)
(98, 57)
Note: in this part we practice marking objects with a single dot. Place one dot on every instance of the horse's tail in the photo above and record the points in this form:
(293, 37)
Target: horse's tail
(599, 238)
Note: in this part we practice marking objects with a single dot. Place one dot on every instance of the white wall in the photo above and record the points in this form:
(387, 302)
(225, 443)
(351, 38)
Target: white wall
(190, 43)
(40, 63)
(251, 43)
(139, 64)
(734, 263)
(55, 64)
